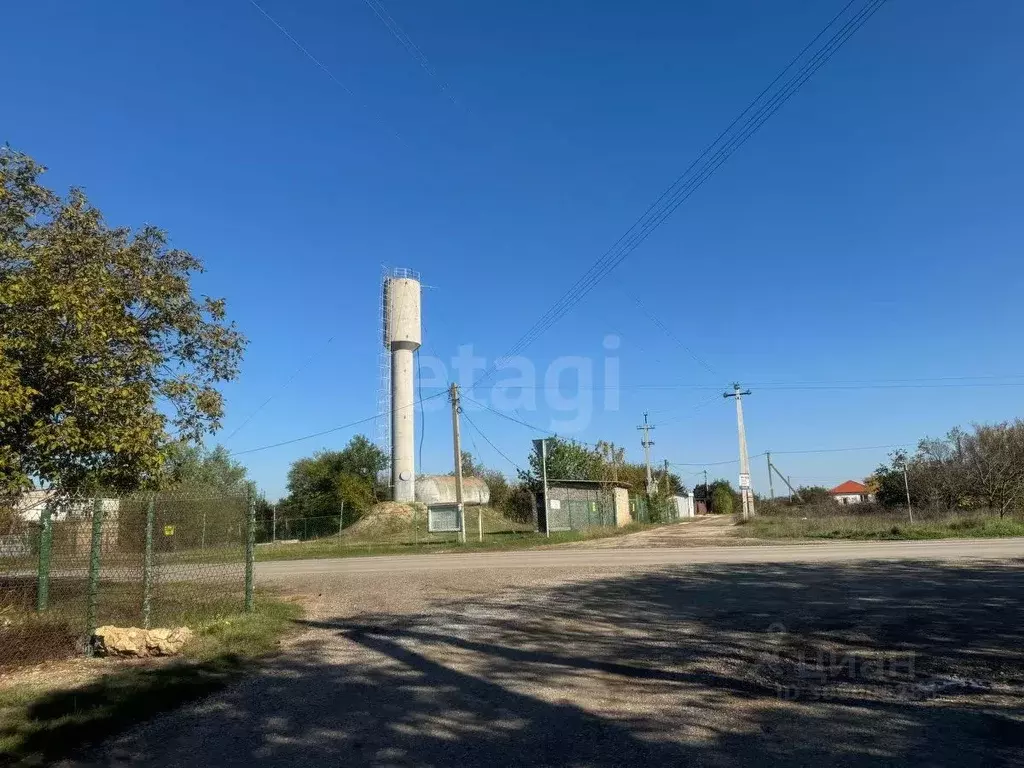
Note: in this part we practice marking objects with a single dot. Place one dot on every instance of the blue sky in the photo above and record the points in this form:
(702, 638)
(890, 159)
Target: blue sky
(870, 231)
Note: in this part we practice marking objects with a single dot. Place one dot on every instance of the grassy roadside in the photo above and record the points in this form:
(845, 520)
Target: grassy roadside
(44, 722)
(493, 542)
(880, 527)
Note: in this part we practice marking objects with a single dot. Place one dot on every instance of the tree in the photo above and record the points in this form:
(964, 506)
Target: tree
(814, 494)
(993, 458)
(103, 344)
(189, 466)
(318, 485)
(566, 460)
(721, 498)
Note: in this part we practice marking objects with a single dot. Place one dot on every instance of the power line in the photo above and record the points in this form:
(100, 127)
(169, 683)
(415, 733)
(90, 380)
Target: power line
(332, 429)
(411, 48)
(668, 332)
(783, 387)
(279, 390)
(485, 437)
(678, 192)
(326, 70)
(510, 418)
(840, 450)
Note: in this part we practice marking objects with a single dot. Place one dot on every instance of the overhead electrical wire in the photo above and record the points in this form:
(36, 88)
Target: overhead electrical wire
(332, 429)
(411, 48)
(668, 332)
(334, 78)
(490, 442)
(279, 390)
(709, 160)
(786, 453)
(506, 416)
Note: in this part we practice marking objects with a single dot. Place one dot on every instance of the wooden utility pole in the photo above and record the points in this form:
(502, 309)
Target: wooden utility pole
(457, 443)
(647, 443)
(746, 494)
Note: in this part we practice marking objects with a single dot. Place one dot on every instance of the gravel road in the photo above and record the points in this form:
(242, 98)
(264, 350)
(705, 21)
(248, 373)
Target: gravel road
(903, 653)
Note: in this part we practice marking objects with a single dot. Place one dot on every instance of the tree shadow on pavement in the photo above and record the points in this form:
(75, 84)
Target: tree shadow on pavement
(860, 664)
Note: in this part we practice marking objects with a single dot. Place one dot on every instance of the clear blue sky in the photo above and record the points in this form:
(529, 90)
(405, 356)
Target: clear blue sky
(870, 231)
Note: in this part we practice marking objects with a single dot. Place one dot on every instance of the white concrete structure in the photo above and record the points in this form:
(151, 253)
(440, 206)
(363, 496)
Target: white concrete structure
(402, 337)
(684, 506)
(440, 489)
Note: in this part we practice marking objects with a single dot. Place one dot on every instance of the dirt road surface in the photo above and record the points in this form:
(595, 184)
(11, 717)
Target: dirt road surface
(870, 655)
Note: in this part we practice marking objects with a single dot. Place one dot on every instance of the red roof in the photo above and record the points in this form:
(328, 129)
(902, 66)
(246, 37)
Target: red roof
(850, 486)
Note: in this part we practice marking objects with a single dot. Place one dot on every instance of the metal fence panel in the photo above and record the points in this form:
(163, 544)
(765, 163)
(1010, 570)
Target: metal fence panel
(161, 560)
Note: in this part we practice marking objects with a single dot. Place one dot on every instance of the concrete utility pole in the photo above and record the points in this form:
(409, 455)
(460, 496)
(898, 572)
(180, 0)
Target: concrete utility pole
(668, 485)
(453, 394)
(771, 485)
(542, 449)
(745, 493)
(707, 495)
(906, 484)
(647, 443)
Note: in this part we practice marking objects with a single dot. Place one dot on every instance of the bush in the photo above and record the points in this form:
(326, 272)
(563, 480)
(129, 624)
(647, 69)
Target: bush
(721, 500)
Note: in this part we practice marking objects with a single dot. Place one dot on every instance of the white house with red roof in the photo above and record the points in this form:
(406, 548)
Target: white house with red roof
(852, 492)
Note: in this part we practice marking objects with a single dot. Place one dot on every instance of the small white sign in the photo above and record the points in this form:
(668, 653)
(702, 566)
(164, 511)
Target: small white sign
(555, 503)
(744, 480)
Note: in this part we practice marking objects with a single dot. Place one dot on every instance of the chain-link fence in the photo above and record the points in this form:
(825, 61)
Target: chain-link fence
(70, 566)
(389, 526)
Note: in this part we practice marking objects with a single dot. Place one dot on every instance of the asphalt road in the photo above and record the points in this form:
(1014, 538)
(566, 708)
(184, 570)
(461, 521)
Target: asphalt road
(856, 654)
(833, 551)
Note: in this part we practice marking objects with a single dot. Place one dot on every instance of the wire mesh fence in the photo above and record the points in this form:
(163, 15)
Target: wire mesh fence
(70, 566)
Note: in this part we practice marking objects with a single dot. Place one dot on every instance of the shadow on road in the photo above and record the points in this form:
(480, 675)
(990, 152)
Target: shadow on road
(866, 664)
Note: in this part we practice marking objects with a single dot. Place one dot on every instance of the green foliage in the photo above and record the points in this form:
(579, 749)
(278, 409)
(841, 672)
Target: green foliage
(815, 494)
(722, 498)
(189, 466)
(318, 485)
(566, 460)
(102, 344)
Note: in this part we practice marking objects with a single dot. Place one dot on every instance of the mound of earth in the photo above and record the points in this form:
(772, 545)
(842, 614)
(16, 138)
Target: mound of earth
(387, 517)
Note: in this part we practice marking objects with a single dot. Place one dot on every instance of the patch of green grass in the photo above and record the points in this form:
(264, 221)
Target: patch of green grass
(493, 542)
(40, 724)
(882, 527)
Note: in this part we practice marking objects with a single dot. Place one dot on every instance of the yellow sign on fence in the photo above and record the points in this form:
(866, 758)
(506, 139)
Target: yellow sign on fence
(168, 530)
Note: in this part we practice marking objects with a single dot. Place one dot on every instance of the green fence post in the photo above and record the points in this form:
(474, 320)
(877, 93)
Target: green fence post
(94, 573)
(250, 555)
(147, 564)
(45, 555)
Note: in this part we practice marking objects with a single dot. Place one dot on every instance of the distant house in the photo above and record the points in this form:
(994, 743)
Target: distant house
(852, 492)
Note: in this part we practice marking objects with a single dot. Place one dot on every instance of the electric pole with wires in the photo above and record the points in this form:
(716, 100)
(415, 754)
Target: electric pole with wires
(647, 443)
(453, 393)
(746, 495)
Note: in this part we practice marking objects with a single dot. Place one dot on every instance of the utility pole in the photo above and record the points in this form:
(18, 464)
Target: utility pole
(453, 393)
(542, 448)
(707, 495)
(906, 484)
(647, 443)
(790, 486)
(745, 493)
(771, 486)
(668, 485)
(273, 524)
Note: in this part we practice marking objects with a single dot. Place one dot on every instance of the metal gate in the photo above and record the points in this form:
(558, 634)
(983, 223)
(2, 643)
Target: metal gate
(587, 514)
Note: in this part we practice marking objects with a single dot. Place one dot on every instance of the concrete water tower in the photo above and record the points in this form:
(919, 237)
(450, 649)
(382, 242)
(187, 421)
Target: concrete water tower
(402, 338)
